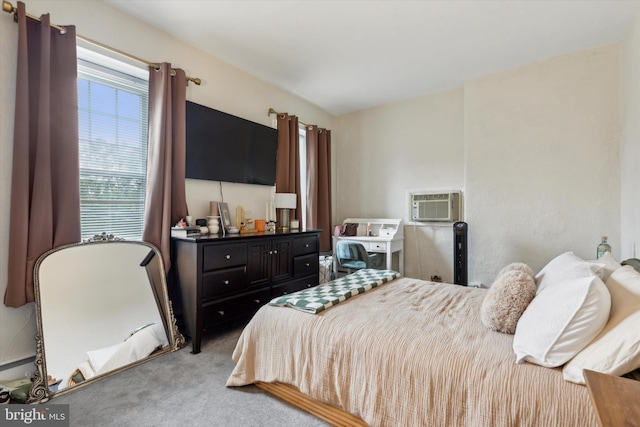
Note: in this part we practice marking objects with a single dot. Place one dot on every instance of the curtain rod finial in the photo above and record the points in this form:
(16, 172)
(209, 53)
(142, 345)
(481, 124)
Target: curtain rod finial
(8, 7)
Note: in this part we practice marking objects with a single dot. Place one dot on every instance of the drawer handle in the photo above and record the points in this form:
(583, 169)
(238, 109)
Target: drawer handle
(275, 252)
(308, 285)
(226, 282)
(285, 293)
(270, 252)
(257, 301)
(227, 256)
(221, 313)
(307, 264)
(306, 245)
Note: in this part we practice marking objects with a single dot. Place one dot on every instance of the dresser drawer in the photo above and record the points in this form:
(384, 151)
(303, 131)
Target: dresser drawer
(233, 308)
(377, 246)
(305, 245)
(294, 286)
(224, 256)
(229, 280)
(364, 243)
(306, 265)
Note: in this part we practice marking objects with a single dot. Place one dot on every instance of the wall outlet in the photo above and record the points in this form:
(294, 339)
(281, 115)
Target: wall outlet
(475, 285)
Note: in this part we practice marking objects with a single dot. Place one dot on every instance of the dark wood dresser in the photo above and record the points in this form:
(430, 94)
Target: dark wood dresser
(226, 279)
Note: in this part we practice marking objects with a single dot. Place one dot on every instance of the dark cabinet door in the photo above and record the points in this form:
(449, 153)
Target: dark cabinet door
(281, 260)
(269, 261)
(259, 262)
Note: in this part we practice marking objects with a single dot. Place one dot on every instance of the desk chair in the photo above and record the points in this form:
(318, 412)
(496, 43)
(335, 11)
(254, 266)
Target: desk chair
(353, 256)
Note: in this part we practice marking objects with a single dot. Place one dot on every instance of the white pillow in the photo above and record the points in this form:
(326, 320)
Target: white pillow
(616, 350)
(564, 267)
(561, 320)
(609, 265)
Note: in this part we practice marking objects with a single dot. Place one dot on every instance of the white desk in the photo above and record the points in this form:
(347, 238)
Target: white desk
(387, 237)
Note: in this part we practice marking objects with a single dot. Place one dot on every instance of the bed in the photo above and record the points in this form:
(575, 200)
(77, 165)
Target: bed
(406, 353)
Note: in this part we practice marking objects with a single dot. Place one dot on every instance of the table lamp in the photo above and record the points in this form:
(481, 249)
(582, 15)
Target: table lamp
(285, 202)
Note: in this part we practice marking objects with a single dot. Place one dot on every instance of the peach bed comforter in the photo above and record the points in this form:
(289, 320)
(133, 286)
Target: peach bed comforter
(408, 353)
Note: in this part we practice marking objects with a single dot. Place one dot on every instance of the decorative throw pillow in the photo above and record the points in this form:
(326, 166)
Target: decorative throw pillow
(564, 267)
(518, 266)
(633, 262)
(506, 300)
(561, 320)
(616, 350)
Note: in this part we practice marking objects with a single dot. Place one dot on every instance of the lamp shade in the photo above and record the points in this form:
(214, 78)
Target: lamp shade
(285, 200)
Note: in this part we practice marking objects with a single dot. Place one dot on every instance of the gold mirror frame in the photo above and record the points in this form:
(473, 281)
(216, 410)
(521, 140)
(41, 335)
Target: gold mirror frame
(39, 391)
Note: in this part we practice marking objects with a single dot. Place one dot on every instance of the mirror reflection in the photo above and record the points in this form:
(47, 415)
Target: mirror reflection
(102, 307)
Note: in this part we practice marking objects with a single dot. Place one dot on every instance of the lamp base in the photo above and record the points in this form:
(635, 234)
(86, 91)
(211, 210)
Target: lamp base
(284, 220)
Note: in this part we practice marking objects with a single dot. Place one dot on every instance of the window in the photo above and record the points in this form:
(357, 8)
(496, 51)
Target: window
(112, 114)
(303, 176)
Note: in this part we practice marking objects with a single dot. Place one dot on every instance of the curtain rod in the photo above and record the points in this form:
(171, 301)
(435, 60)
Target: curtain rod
(9, 8)
(272, 111)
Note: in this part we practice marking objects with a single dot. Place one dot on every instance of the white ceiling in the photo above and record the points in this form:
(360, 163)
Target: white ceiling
(350, 55)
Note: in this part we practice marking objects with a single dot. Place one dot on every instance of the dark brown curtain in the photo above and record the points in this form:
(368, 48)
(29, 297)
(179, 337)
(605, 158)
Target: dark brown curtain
(45, 183)
(165, 201)
(319, 183)
(288, 164)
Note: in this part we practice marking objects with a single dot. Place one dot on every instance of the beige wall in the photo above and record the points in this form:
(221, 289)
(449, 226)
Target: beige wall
(630, 142)
(224, 87)
(542, 150)
(535, 150)
(387, 152)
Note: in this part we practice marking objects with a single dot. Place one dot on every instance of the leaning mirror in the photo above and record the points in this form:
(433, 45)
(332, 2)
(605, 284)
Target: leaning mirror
(102, 307)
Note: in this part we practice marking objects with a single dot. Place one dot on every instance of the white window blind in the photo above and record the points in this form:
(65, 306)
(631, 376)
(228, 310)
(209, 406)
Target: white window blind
(112, 112)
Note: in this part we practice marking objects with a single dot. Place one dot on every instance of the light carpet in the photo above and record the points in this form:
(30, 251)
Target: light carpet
(182, 389)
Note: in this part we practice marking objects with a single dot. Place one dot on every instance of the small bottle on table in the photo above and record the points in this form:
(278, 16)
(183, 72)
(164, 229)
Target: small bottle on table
(603, 247)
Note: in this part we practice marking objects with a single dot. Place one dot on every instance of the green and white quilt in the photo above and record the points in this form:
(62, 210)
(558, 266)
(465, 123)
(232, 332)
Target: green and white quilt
(319, 298)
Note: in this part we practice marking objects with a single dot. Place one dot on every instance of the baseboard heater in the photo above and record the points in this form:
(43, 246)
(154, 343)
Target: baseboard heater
(15, 363)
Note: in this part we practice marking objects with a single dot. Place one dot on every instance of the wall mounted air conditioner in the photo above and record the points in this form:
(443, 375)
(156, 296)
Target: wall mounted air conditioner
(432, 207)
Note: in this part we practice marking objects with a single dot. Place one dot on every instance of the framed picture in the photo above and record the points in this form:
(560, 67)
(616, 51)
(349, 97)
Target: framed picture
(225, 219)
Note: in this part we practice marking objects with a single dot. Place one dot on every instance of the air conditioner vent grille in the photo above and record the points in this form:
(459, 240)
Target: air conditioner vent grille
(433, 207)
(418, 197)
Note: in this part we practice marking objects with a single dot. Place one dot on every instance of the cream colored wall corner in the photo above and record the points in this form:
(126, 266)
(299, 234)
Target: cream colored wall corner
(542, 171)
(535, 150)
(224, 88)
(630, 142)
(387, 151)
